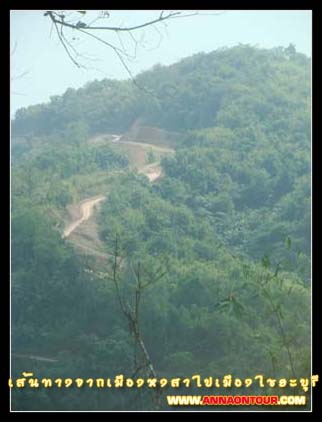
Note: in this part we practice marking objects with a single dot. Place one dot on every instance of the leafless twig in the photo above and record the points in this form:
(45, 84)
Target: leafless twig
(62, 19)
(55, 17)
(132, 313)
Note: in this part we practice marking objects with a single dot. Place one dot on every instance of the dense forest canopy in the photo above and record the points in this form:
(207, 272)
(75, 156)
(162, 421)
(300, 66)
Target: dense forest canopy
(229, 220)
(202, 91)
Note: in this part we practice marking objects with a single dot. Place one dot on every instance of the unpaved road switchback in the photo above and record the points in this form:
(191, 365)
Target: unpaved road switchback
(86, 208)
(152, 171)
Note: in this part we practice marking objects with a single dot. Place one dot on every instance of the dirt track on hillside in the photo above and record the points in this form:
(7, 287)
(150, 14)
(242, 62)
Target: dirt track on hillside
(160, 148)
(86, 209)
(152, 171)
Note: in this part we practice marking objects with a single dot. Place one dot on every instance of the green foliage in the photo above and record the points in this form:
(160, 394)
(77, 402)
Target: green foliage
(229, 223)
(233, 88)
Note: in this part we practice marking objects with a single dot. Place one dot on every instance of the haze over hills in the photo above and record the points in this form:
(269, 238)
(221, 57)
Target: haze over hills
(225, 218)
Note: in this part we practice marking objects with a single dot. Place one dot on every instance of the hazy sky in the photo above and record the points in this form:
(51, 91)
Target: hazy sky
(49, 71)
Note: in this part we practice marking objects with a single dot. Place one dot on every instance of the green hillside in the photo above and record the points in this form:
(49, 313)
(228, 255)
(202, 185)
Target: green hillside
(218, 247)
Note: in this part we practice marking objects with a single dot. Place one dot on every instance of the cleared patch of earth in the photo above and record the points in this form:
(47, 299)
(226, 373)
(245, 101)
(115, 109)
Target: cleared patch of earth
(85, 210)
(153, 171)
(82, 228)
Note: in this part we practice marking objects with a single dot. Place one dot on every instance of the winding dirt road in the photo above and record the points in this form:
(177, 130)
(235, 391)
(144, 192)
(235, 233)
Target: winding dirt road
(152, 171)
(86, 208)
(161, 148)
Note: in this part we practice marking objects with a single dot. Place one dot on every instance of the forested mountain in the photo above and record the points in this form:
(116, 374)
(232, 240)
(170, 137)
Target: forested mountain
(227, 225)
(236, 87)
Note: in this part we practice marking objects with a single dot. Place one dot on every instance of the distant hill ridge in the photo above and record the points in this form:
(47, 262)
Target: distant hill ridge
(204, 90)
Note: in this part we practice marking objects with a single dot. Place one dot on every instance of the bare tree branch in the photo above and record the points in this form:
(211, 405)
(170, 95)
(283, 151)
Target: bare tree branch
(113, 47)
(60, 21)
(63, 43)
(135, 43)
(14, 48)
(19, 75)
(132, 314)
